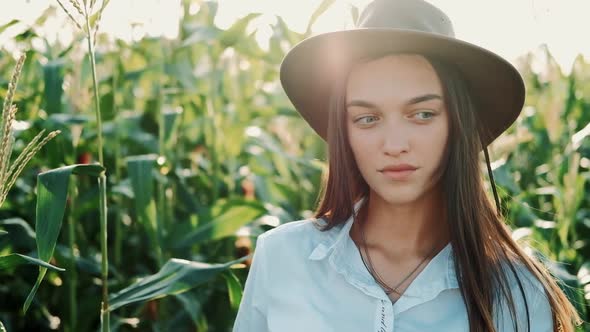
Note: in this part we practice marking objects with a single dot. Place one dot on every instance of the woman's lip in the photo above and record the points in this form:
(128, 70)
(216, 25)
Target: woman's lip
(398, 175)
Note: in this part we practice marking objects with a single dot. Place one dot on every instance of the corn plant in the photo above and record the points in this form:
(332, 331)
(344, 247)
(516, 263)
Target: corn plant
(543, 170)
(9, 172)
(85, 10)
(227, 215)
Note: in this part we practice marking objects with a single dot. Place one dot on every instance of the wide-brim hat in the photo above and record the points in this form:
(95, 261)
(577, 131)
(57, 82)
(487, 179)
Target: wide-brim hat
(312, 67)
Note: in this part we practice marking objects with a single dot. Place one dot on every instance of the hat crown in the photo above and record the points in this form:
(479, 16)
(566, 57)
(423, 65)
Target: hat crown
(415, 15)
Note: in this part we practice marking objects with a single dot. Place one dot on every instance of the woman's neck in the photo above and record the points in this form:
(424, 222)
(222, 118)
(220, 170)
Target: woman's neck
(403, 232)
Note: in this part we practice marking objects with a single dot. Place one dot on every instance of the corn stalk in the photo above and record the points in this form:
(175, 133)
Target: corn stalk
(84, 10)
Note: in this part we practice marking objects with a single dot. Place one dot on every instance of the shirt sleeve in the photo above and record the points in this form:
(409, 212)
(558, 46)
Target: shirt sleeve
(251, 315)
(539, 308)
(541, 316)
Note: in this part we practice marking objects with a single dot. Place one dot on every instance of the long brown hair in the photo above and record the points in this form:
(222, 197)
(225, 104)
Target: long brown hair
(482, 244)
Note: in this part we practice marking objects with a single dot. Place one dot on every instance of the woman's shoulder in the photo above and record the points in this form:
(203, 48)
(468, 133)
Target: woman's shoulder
(528, 294)
(294, 240)
(519, 276)
(293, 233)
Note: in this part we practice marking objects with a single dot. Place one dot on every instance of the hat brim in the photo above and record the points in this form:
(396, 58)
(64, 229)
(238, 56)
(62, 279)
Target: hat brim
(310, 69)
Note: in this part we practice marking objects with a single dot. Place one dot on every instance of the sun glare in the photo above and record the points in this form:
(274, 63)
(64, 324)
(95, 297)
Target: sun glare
(525, 24)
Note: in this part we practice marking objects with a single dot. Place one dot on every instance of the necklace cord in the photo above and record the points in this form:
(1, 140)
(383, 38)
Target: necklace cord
(376, 276)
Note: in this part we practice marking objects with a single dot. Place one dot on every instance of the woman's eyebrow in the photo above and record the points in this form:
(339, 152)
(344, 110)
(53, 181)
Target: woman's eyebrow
(423, 98)
(360, 103)
(415, 100)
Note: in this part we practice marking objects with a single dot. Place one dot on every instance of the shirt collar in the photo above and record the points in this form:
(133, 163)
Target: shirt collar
(335, 238)
(341, 252)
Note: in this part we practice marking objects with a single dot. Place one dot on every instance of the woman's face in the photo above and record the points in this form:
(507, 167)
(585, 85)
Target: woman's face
(396, 115)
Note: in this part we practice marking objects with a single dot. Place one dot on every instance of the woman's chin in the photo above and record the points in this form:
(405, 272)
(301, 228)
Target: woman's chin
(398, 196)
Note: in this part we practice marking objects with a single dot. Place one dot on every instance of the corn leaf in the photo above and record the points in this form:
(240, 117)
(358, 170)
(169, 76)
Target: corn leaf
(14, 260)
(292, 36)
(317, 13)
(232, 215)
(191, 304)
(202, 35)
(207, 13)
(53, 74)
(52, 188)
(234, 290)
(22, 236)
(65, 119)
(51, 203)
(175, 277)
(237, 31)
(95, 18)
(171, 120)
(8, 25)
(140, 171)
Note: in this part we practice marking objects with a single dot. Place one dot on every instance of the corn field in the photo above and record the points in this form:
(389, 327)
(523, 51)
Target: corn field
(135, 177)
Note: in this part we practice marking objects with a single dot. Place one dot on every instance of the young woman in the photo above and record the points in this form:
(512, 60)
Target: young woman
(404, 238)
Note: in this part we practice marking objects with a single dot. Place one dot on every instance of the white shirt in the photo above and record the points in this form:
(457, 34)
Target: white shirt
(302, 279)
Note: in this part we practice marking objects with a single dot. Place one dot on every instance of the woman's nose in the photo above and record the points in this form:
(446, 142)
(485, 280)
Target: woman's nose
(395, 139)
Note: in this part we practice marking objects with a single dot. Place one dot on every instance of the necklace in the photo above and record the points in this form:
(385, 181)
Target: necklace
(388, 290)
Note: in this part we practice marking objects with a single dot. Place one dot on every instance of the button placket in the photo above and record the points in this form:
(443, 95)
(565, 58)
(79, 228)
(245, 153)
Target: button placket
(384, 316)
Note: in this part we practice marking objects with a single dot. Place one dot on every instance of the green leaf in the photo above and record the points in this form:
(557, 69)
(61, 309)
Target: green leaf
(171, 116)
(2, 232)
(51, 202)
(234, 290)
(175, 277)
(14, 260)
(93, 19)
(203, 34)
(237, 31)
(47, 13)
(66, 119)
(89, 266)
(191, 304)
(22, 236)
(140, 171)
(53, 74)
(233, 215)
(503, 177)
(52, 189)
(98, 14)
(318, 12)
(72, 45)
(288, 34)
(207, 13)
(8, 25)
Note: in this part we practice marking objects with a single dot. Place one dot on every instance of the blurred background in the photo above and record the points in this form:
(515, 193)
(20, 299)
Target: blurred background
(510, 28)
(203, 151)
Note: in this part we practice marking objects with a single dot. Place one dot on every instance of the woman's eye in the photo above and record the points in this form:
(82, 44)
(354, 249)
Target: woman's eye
(366, 119)
(429, 115)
